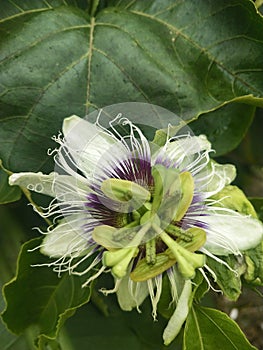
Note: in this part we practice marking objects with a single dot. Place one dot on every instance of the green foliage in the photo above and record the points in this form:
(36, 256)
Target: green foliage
(225, 126)
(207, 328)
(37, 299)
(56, 61)
(201, 60)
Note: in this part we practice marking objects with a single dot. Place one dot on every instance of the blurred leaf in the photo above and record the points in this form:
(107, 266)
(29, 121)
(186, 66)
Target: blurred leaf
(258, 205)
(207, 329)
(189, 56)
(9, 341)
(37, 298)
(225, 127)
(7, 193)
(119, 330)
(11, 238)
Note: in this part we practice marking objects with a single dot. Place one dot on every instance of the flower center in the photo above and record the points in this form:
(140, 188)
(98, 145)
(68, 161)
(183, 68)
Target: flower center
(151, 234)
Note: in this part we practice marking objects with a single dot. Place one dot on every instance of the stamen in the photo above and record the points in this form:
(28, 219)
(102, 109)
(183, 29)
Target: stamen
(92, 278)
(111, 291)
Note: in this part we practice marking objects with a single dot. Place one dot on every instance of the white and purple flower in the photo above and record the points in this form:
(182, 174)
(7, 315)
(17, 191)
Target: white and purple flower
(140, 210)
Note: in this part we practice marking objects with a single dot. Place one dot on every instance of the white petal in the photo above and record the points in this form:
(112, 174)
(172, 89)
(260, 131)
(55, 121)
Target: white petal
(63, 187)
(37, 182)
(230, 233)
(184, 147)
(187, 146)
(131, 294)
(213, 178)
(179, 316)
(86, 143)
(66, 239)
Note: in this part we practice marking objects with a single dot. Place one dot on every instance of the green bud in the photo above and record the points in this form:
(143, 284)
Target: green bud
(124, 191)
(186, 269)
(187, 261)
(119, 260)
(111, 258)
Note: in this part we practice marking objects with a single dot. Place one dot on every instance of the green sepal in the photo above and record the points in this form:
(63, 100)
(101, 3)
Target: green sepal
(254, 265)
(228, 277)
(233, 198)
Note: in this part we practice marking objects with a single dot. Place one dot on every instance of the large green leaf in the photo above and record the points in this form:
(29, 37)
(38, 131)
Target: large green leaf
(38, 299)
(208, 329)
(188, 56)
(225, 127)
(258, 205)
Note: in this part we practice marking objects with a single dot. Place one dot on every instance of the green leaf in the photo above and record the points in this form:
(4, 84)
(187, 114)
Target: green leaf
(7, 193)
(190, 57)
(225, 127)
(258, 205)
(207, 329)
(38, 299)
(9, 341)
(228, 278)
(119, 330)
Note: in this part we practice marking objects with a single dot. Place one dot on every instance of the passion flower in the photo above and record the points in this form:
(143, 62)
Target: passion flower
(140, 210)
